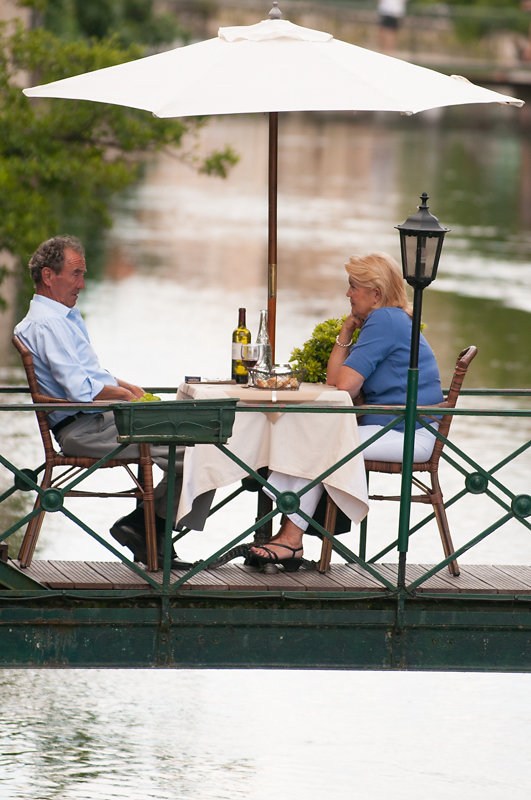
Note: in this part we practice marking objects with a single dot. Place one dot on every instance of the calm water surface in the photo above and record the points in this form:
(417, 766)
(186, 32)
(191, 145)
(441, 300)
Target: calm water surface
(98, 735)
(185, 253)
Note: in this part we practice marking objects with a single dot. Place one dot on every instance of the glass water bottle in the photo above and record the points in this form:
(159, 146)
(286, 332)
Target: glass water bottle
(265, 363)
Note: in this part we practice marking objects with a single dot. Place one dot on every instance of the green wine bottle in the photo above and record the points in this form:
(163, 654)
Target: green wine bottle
(241, 335)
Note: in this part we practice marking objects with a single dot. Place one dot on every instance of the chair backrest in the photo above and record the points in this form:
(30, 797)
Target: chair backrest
(461, 366)
(37, 396)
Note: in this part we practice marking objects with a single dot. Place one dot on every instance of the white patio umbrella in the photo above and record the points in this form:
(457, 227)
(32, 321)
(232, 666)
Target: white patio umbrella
(272, 66)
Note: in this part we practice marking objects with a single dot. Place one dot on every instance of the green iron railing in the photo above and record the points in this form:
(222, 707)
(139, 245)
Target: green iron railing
(478, 480)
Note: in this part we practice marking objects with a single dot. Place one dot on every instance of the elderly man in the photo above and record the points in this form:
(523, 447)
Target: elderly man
(66, 366)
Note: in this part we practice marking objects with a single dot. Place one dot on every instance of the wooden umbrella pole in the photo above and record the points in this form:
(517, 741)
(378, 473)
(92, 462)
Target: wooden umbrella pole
(272, 229)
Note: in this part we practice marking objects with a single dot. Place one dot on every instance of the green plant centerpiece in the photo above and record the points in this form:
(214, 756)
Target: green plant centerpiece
(312, 358)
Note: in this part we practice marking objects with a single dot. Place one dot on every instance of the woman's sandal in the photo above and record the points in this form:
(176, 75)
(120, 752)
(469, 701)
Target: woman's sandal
(290, 564)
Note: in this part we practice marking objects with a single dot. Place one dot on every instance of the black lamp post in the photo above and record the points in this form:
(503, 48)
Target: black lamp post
(421, 241)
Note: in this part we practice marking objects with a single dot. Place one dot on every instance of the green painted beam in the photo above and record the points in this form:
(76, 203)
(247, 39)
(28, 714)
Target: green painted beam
(11, 578)
(358, 635)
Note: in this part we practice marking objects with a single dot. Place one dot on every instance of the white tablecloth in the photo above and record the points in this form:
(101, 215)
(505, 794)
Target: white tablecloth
(304, 445)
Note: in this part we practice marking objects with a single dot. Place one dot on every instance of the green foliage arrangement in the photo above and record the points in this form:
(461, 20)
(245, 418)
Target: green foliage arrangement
(313, 356)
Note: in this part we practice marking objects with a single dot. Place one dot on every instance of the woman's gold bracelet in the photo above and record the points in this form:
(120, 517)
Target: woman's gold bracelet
(341, 343)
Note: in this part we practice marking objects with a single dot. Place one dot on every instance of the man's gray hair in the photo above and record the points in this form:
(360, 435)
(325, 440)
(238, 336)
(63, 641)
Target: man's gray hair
(51, 253)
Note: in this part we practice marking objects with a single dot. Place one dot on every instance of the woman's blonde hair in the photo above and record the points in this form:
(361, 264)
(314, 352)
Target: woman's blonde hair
(380, 271)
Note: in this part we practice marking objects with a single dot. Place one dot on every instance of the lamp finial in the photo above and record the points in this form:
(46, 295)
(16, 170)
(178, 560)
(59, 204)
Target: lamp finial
(275, 12)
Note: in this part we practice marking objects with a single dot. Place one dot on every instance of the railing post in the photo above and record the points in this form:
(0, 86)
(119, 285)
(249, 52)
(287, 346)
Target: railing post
(168, 531)
(409, 438)
(407, 472)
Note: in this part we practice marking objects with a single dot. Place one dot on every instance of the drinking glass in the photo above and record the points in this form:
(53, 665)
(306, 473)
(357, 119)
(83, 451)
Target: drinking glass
(251, 355)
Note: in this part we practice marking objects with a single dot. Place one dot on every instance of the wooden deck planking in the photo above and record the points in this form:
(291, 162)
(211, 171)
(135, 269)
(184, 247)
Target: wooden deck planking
(468, 582)
(355, 579)
(78, 575)
(441, 582)
(41, 571)
(246, 579)
(313, 581)
(204, 581)
(119, 575)
(519, 573)
(104, 575)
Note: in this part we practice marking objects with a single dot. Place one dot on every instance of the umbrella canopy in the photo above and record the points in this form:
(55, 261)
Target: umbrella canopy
(272, 66)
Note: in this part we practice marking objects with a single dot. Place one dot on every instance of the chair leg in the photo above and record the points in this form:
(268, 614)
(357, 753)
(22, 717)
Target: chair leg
(146, 465)
(29, 542)
(444, 529)
(329, 525)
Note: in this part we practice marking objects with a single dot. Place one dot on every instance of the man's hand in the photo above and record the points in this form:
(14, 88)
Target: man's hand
(137, 391)
(124, 391)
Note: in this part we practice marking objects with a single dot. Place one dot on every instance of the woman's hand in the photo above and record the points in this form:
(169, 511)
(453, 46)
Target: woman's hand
(349, 326)
(336, 373)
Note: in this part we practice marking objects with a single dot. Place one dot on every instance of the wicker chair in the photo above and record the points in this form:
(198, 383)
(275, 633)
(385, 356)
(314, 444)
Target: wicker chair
(142, 487)
(429, 494)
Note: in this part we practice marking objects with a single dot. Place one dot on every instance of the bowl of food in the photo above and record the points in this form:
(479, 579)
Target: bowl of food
(282, 376)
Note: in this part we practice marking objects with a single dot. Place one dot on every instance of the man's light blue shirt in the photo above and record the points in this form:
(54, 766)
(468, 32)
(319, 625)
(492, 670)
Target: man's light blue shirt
(65, 364)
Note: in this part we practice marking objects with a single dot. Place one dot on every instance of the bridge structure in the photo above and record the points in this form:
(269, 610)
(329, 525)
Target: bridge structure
(364, 613)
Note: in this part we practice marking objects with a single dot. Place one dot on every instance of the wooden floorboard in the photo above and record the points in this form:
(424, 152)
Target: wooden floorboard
(78, 575)
(117, 575)
(204, 581)
(41, 571)
(520, 574)
(468, 582)
(246, 579)
(355, 579)
(104, 575)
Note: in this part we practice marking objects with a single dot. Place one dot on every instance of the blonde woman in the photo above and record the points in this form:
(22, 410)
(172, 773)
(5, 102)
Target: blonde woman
(377, 364)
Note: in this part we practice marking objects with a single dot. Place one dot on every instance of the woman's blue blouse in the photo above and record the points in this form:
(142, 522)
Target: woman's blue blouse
(382, 354)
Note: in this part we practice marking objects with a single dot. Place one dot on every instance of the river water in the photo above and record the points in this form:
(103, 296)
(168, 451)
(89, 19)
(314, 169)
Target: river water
(184, 253)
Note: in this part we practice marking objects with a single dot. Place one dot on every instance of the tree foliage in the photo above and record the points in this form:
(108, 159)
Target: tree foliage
(63, 160)
(130, 20)
(475, 19)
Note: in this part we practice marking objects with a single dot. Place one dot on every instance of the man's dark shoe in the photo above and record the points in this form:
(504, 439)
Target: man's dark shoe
(129, 531)
(130, 537)
(175, 562)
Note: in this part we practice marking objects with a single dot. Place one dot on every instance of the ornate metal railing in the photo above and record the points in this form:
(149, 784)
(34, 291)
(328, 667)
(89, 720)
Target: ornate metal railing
(478, 480)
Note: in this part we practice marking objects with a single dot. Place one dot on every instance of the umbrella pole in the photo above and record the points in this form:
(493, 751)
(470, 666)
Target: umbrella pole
(272, 231)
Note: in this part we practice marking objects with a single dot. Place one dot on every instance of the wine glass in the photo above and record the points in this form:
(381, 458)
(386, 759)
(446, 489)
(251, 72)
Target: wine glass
(251, 355)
